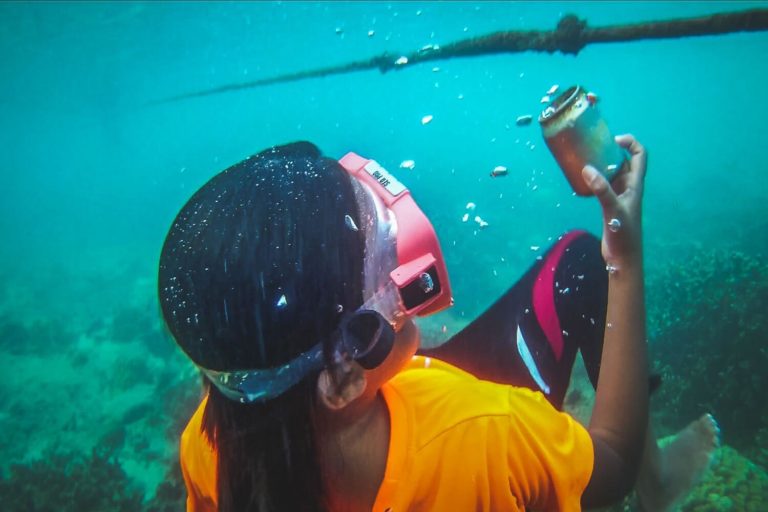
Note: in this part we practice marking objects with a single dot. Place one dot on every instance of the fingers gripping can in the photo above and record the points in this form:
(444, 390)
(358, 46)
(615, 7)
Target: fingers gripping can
(577, 135)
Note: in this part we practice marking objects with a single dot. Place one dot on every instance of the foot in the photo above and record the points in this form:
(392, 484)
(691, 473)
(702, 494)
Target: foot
(682, 460)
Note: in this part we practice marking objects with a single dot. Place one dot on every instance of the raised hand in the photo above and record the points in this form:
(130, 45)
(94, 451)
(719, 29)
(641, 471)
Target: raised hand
(621, 201)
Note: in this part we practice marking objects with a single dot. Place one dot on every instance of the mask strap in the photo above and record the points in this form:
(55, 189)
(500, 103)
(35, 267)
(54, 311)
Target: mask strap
(260, 385)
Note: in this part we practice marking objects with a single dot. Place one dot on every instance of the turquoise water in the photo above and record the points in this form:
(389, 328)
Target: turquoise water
(93, 177)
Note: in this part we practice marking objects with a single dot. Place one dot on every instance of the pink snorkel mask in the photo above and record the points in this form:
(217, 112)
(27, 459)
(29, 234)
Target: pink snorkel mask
(404, 276)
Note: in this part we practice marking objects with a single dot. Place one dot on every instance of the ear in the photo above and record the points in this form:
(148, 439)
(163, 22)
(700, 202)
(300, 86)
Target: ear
(338, 387)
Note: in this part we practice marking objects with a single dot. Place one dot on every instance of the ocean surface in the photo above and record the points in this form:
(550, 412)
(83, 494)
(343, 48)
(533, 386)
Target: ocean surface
(95, 393)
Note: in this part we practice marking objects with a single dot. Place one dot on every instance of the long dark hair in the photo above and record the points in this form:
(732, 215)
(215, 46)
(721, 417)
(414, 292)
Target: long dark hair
(269, 231)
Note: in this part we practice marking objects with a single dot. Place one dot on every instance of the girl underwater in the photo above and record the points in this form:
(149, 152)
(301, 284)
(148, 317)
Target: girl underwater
(291, 280)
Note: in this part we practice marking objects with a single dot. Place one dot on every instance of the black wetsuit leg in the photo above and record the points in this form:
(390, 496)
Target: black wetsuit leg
(530, 336)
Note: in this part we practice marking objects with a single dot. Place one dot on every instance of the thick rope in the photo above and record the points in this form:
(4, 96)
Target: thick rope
(570, 37)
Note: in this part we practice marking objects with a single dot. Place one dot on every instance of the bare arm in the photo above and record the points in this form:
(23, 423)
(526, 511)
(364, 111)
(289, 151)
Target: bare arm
(620, 414)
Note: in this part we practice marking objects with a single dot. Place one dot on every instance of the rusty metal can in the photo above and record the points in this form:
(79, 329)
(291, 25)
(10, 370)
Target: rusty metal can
(577, 135)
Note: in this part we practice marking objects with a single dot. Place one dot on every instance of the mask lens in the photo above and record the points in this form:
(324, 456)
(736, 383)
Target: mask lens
(421, 289)
(368, 338)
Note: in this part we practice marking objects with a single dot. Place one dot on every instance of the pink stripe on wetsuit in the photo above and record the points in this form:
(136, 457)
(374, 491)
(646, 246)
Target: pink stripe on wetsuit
(544, 295)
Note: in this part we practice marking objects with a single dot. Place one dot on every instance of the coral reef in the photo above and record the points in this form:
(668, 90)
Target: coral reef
(21, 336)
(171, 495)
(103, 379)
(733, 484)
(708, 327)
(69, 482)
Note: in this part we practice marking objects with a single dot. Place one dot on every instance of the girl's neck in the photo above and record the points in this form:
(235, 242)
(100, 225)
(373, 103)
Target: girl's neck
(353, 446)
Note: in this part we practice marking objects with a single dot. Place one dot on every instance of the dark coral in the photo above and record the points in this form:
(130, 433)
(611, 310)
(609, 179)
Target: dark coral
(171, 494)
(35, 338)
(69, 482)
(143, 323)
(72, 482)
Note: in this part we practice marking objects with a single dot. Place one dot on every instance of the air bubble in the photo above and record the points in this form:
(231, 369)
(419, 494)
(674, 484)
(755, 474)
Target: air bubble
(349, 221)
(614, 225)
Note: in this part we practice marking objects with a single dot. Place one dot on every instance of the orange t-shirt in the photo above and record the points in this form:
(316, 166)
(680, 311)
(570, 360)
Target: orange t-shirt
(456, 443)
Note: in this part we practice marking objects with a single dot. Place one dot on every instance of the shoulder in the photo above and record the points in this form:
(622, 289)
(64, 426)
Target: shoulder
(441, 397)
(508, 440)
(431, 382)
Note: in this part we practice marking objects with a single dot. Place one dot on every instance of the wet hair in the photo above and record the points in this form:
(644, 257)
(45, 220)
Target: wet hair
(255, 270)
